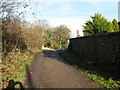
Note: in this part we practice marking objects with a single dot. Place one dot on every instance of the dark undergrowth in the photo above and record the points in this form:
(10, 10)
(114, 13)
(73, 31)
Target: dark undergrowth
(105, 75)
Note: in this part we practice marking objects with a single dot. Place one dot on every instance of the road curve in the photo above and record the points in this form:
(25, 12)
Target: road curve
(49, 70)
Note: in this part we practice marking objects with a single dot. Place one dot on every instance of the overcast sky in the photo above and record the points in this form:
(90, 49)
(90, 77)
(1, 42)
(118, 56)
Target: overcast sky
(73, 13)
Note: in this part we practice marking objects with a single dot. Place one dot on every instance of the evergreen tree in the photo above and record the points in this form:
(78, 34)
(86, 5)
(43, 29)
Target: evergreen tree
(115, 25)
(97, 25)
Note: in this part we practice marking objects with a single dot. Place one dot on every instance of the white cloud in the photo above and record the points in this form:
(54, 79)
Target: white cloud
(66, 9)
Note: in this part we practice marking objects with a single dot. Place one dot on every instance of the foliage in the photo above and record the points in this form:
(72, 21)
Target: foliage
(115, 25)
(20, 39)
(8, 8)
(33, 37)
(23, 36)
(47, 36)
(61, 35)
(56, 37)
(15, 35)
(94, 72)
(97, 25)
(9, 32)
(15, 69)
(110, 83)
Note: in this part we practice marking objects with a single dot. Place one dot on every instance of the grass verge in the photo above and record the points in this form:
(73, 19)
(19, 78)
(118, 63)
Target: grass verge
(95, 73)
(14, 67)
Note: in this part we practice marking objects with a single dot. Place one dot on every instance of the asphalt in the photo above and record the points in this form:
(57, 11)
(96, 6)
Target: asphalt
(49, 70)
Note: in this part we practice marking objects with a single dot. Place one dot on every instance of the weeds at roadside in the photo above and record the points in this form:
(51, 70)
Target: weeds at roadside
(13, 67)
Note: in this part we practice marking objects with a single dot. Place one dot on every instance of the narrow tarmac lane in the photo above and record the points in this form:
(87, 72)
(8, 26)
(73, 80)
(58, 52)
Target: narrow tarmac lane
(49, 70)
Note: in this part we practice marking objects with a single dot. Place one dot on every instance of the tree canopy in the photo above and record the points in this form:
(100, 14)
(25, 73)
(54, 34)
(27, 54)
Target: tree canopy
(115, 25)
(61, 35)
(97, 25)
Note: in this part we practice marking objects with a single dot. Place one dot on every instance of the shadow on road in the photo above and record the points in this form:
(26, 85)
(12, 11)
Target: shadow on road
(54, 55)
(105, 70)
(50, 70)
(29, 80)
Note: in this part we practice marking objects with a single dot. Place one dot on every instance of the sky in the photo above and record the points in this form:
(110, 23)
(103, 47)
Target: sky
(72, 13)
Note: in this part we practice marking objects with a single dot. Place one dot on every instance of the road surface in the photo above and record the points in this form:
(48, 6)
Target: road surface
(49, 70)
